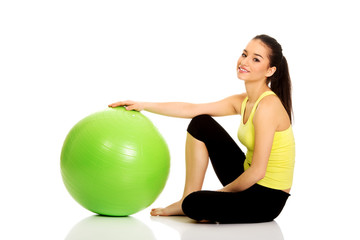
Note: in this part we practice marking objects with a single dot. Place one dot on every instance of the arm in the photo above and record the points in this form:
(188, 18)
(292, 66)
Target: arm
(228, 106)
(265, 123)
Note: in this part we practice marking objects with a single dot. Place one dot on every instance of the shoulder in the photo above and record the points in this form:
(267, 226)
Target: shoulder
(270, 102)
(237, 100)
(238, 97)
(270, 111)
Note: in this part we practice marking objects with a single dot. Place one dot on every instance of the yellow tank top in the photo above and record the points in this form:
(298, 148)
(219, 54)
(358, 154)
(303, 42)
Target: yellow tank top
(280, 168)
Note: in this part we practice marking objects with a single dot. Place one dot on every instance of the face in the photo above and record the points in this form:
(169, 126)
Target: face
(254, 63)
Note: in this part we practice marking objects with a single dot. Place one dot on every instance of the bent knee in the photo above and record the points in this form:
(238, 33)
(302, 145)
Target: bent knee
(193, 205)
(199, 120)
(199, 125)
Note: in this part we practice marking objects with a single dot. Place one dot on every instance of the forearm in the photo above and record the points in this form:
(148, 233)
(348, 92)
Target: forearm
(244, 181)
(172, 109)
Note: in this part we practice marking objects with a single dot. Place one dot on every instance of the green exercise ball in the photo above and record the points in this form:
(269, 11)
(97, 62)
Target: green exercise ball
(115, 162)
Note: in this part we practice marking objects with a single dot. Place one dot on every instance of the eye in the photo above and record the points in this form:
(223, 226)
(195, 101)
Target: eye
(256, 60)
(243, 55)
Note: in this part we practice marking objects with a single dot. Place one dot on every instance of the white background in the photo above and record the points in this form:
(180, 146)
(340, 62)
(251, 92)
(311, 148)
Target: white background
(63, 60)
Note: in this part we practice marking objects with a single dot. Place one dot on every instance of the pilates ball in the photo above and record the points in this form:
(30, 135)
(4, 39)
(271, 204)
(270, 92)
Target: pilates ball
(115, 162)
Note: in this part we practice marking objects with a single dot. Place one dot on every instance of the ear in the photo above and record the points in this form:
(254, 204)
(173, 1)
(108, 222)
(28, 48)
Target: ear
(270, 71)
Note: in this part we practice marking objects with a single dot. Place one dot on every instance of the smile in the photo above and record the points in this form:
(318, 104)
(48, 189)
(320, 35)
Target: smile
(243, 70)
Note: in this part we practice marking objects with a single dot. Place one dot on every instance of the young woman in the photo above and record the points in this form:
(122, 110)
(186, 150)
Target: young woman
(256, 185)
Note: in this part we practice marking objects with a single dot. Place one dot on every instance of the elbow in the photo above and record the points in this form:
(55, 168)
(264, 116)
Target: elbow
(262, 175)
(259, 174)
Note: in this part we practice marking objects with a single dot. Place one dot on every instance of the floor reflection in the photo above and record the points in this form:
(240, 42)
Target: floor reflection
(190, 229)
(108, 228)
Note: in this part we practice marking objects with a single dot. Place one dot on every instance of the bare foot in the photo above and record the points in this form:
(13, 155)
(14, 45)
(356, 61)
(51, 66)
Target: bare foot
(171, 210)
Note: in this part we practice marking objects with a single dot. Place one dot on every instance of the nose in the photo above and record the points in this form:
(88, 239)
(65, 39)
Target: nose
(240, 61)
(244, 61)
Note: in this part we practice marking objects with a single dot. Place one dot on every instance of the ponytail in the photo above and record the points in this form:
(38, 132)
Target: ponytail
(279, 82)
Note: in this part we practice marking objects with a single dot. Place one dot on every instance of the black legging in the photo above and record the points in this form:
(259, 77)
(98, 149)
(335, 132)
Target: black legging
(255, 204)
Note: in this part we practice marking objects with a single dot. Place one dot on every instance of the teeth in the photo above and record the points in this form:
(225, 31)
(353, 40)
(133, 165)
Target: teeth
(243, 69)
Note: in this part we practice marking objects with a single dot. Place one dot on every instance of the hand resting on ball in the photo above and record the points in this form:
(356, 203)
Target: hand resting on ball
(129, 105)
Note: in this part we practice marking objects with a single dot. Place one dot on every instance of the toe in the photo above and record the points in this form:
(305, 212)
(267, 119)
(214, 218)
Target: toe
(155, 212)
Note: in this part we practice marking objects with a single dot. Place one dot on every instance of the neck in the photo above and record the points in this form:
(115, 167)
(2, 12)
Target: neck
(255, 89)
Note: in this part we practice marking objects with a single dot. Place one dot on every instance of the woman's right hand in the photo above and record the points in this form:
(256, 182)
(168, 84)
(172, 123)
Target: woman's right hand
(129, 105)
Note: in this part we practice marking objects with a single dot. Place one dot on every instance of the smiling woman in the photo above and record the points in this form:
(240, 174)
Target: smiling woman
(251, 65)
(263, 56)
(263, 177)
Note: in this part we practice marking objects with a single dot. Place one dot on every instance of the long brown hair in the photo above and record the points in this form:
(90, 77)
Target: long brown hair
(279, 82)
